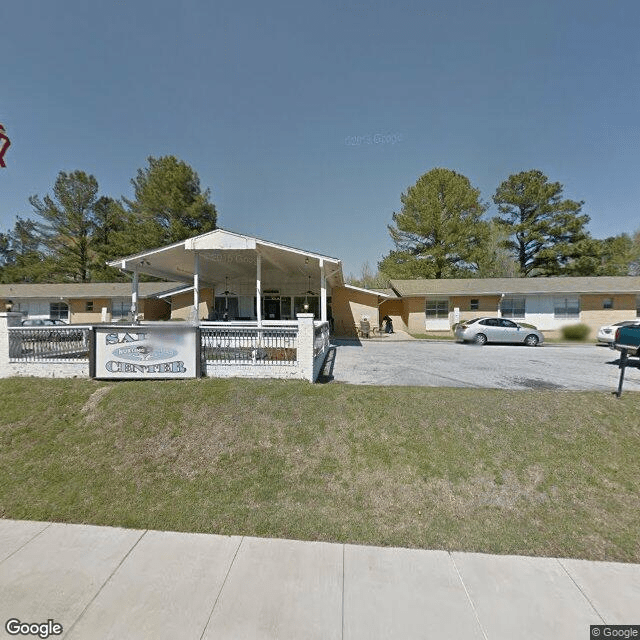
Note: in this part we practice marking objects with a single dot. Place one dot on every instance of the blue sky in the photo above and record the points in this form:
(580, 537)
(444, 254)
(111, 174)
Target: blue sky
(308, 120)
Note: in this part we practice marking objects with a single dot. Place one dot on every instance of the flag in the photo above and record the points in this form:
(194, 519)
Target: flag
(5, 143)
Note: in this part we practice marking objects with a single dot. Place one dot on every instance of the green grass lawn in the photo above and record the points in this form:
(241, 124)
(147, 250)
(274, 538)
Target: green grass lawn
(531, 472)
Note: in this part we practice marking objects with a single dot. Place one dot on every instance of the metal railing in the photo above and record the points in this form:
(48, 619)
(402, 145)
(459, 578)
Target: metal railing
(249, 345)
(49, 344)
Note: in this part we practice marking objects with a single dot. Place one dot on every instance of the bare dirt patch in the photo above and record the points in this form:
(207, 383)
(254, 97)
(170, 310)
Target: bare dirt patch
(91, 404)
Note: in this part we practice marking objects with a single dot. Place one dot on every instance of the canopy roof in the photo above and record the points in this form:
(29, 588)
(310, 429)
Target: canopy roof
(224, 254)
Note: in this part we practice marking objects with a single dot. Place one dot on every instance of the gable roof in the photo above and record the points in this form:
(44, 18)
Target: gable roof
(531, 286)
(228, 254)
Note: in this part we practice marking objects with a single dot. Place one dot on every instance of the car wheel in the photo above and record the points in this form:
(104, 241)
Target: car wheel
(531, 341)
(480, 339)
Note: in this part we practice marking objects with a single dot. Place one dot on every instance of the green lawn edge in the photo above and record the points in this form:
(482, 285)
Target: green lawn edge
(538, 473)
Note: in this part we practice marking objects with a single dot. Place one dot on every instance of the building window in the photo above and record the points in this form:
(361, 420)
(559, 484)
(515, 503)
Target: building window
(88, 306)
(22, 307)
(285, 308)
(512, 307)
(120, 308)
(59, 311)
(637, 306)
(607, 303)
(437, 309)
(474, 305)
(566, 308)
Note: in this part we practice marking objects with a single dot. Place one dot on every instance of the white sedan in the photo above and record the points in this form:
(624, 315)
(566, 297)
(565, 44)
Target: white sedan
(607, 333)
(483, 330)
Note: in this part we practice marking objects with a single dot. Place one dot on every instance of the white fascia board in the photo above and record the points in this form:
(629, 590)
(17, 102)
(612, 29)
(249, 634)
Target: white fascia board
(273, 245)
(301, 252)
(121, 263)
(220, 240)
(375, 293)
(173, 292)
(232, 241)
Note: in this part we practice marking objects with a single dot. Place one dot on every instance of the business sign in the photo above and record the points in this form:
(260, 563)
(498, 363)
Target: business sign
(145, 351)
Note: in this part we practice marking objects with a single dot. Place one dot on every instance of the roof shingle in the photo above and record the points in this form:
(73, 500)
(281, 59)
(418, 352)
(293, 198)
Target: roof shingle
(85, 290)
(492, 286)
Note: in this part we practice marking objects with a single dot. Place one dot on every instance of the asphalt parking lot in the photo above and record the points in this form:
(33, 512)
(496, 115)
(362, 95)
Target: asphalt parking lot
(450, 364)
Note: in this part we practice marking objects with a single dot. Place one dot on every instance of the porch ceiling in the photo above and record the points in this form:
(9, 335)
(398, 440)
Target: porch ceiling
(227, 256)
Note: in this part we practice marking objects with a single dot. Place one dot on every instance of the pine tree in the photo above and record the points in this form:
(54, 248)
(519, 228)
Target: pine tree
(169, 204)
(544, 230)
(68, 220)
(439, 232)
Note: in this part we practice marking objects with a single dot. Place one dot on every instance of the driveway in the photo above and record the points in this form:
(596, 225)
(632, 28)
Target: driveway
(450, 364)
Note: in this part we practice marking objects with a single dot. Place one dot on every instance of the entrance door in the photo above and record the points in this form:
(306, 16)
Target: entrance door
(272, 308)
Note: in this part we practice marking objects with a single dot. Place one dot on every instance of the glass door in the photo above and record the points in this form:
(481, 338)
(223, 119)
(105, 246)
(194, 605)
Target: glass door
(271, 308)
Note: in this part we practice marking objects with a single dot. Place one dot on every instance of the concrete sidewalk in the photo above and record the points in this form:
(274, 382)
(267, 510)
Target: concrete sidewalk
(101, 582)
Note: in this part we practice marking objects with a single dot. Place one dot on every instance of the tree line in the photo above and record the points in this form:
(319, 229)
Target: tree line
(76, 229)
(441, 232)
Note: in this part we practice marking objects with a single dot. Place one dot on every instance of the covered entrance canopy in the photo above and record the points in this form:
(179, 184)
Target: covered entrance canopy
(232, 264)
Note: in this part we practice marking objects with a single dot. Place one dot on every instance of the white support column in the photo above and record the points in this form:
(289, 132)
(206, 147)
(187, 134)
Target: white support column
(259, 289)
(196, 285)
(323, 293)
(134, 296)
(305, 342)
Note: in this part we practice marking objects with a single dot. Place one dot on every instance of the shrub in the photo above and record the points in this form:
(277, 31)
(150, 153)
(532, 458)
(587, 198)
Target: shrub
(575, 332)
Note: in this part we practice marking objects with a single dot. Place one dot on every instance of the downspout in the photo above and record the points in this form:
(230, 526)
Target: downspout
(196, 287)
(259, 289)
(323, 293)
(134, 297)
